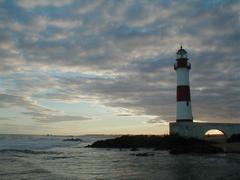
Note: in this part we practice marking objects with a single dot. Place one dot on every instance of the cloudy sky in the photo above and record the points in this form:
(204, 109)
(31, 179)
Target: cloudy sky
(106, 66)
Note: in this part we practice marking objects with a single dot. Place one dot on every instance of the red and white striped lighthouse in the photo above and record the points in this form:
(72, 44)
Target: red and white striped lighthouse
(182, 67)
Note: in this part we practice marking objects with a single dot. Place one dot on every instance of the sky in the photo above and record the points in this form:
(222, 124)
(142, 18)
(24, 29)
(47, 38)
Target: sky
(72, 67)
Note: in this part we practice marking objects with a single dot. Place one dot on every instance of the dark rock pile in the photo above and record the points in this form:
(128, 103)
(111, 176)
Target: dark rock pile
(234, 138)
(174, 144)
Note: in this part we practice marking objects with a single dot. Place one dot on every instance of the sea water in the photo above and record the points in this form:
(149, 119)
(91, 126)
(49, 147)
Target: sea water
(50, 157)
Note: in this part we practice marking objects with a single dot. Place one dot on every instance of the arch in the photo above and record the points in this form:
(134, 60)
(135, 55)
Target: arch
(214, 131)
(215, 134)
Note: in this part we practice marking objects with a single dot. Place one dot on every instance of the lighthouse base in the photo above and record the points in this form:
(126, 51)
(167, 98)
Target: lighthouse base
(198, 130)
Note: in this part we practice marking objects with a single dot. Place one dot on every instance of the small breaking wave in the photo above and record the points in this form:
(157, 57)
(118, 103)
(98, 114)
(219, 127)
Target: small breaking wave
(27, 151)
(32, 171)
(59, 157)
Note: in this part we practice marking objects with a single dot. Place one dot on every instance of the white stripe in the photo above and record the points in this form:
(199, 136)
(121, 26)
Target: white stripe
(184, 111)
(182, 77)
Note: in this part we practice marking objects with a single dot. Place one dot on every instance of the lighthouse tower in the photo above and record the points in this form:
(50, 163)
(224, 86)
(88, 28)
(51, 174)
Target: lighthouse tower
(182, 67)
(184, 125)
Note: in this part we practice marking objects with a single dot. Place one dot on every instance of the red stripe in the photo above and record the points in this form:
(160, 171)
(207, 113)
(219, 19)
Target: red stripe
(182, 63)
(183, 93)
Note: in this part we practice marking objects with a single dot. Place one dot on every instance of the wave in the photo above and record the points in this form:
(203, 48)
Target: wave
(59, 157)
(27, 151)
(32, 171)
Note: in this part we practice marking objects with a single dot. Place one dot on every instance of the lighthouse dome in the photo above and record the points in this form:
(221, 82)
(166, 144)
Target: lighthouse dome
(181, 53)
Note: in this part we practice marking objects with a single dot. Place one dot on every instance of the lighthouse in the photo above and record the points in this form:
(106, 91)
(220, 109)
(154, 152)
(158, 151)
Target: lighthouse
(182, 67)
(184, 125)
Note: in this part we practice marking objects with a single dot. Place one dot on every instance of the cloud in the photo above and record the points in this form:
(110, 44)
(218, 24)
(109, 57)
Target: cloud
(28, 4)
(120, 55)
(35, 111)
(157, 120)
(5, 119)
(11, 100)
(48, 118)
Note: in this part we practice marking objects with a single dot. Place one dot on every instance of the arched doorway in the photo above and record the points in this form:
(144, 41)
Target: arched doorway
(215, 135)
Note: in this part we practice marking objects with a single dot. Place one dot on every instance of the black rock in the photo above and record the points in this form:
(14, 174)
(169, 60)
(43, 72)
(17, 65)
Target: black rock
(234, 138)
(134, 149)
(174, 144)
(144, 154)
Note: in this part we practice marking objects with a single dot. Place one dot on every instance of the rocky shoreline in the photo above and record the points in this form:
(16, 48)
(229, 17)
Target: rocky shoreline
(173, 144)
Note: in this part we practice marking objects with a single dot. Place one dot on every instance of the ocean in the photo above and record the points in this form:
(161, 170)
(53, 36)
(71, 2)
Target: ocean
(50, 157)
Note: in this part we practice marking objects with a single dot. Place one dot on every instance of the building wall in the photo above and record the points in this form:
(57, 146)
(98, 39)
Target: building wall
(198, 130)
